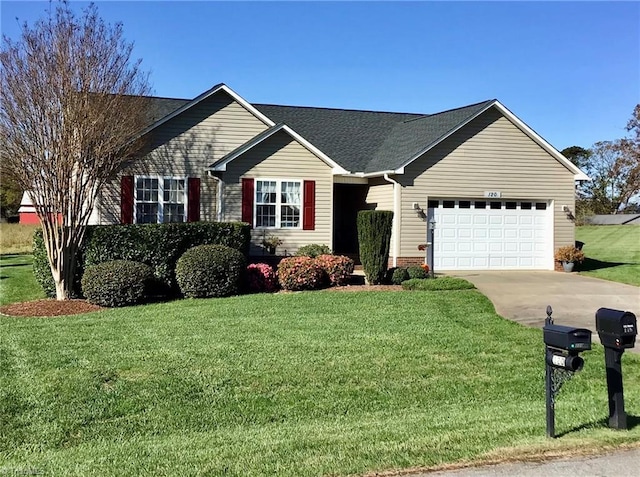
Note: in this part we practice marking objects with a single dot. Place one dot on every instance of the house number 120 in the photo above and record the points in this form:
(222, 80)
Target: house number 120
(492, 194)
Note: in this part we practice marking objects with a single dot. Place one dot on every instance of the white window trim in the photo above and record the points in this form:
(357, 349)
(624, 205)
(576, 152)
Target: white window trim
(278, 203)
(161, 202)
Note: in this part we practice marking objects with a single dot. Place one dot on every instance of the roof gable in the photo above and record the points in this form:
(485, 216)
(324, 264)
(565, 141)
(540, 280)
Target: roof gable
(164, 104)
(221, 164)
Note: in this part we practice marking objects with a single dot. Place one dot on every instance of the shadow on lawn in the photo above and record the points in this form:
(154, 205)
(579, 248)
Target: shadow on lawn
(632, 422)
(590, 264)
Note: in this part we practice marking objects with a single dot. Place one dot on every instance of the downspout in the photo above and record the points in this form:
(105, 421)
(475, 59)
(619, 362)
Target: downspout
(396, 219)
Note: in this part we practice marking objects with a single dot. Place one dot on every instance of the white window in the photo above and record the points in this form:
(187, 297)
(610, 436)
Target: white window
(160, 200)
(278, 203)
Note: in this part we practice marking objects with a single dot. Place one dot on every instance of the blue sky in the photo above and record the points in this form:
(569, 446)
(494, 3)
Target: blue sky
(570, 70)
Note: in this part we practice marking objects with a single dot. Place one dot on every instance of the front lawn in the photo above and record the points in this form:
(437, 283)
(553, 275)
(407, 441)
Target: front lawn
(289, 384)
(613, 252)
(17, 282)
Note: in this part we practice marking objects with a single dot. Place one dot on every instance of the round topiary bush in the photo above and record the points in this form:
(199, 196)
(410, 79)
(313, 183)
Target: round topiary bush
(399, 275)
(261, 278)
(117, 283)
(300, 273)
(210, 271)
(337, 268)
(313, 250)
(417, 272)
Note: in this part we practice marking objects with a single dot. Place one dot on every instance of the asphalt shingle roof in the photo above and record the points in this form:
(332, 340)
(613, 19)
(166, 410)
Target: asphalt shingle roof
(360, 141)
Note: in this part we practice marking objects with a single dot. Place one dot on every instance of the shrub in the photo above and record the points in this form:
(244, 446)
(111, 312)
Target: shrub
(313, 250)
(158, 245)
(399, 275)
(417, 272)
(210, 271)
(437, 284)
(261, 278)
(374, 235)
(117, 283)
(300, 273)
(337, 268)
(569, 253)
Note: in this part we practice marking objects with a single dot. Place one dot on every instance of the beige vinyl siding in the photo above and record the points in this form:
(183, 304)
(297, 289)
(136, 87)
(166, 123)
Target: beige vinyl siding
(488, 154)
(186, 146)
(281, 157)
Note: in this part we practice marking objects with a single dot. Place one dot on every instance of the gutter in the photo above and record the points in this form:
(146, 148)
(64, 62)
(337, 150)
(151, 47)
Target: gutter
(396, 218)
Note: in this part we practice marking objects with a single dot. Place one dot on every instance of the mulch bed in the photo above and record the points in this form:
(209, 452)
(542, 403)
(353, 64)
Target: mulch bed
(76, 307)
(49, 308)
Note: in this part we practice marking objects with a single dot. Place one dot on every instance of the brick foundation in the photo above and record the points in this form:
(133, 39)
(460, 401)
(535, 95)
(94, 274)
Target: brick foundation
(407, 261)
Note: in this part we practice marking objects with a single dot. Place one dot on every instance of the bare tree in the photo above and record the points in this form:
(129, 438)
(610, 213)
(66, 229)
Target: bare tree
(70, 105)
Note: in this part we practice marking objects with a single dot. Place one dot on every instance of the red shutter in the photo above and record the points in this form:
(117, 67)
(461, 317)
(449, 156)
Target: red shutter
(309, 205)
(126, 200)
(247, 201)
(193, 195)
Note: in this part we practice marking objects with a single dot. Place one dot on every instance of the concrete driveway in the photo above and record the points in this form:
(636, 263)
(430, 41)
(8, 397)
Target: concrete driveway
(523, 296)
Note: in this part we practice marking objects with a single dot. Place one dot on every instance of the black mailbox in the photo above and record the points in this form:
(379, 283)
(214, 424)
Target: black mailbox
(567, 338)
(617, 329)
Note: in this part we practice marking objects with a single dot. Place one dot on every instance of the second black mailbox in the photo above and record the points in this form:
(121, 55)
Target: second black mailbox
(617, 329)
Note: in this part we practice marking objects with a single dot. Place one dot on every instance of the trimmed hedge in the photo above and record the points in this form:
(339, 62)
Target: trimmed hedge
(399, 275)
(337, 268)
(300, 273)
(313, 250)
(437, 284)
(210, 271)
(261, 278)
(117, 283)
(374, 236)
(417, 272)
(158, 245)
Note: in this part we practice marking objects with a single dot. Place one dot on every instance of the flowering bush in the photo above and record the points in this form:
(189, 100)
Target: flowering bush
(338, 268)
(261, 278)
(300, 273)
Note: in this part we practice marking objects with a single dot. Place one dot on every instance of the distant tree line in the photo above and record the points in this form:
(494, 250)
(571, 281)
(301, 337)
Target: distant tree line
(614, 169)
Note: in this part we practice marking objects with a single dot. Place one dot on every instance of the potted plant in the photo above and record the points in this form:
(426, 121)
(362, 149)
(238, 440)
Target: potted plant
(271, 243)
(569, 256)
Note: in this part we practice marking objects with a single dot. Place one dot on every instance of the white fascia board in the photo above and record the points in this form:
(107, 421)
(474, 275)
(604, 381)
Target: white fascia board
(374, 174)
(336, 168)
(202, 97)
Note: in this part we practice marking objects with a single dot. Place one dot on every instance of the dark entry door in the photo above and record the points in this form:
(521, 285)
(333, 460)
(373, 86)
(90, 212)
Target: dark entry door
(348, 199)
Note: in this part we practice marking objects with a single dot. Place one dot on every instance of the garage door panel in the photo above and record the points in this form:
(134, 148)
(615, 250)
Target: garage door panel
(509, 237)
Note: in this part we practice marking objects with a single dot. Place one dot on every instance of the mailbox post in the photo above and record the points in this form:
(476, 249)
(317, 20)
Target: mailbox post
(562, 347)
(617, 331)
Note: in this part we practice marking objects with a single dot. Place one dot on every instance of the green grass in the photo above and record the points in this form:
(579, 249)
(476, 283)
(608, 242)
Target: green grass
(438, 284)
(291, 384)
(613, 252)
(16, 279)
(16, 238)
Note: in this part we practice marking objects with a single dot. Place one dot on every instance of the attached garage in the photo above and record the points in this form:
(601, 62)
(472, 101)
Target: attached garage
(492, 234)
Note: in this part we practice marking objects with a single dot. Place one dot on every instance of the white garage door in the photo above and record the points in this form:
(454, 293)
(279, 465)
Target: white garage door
(492, 235)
